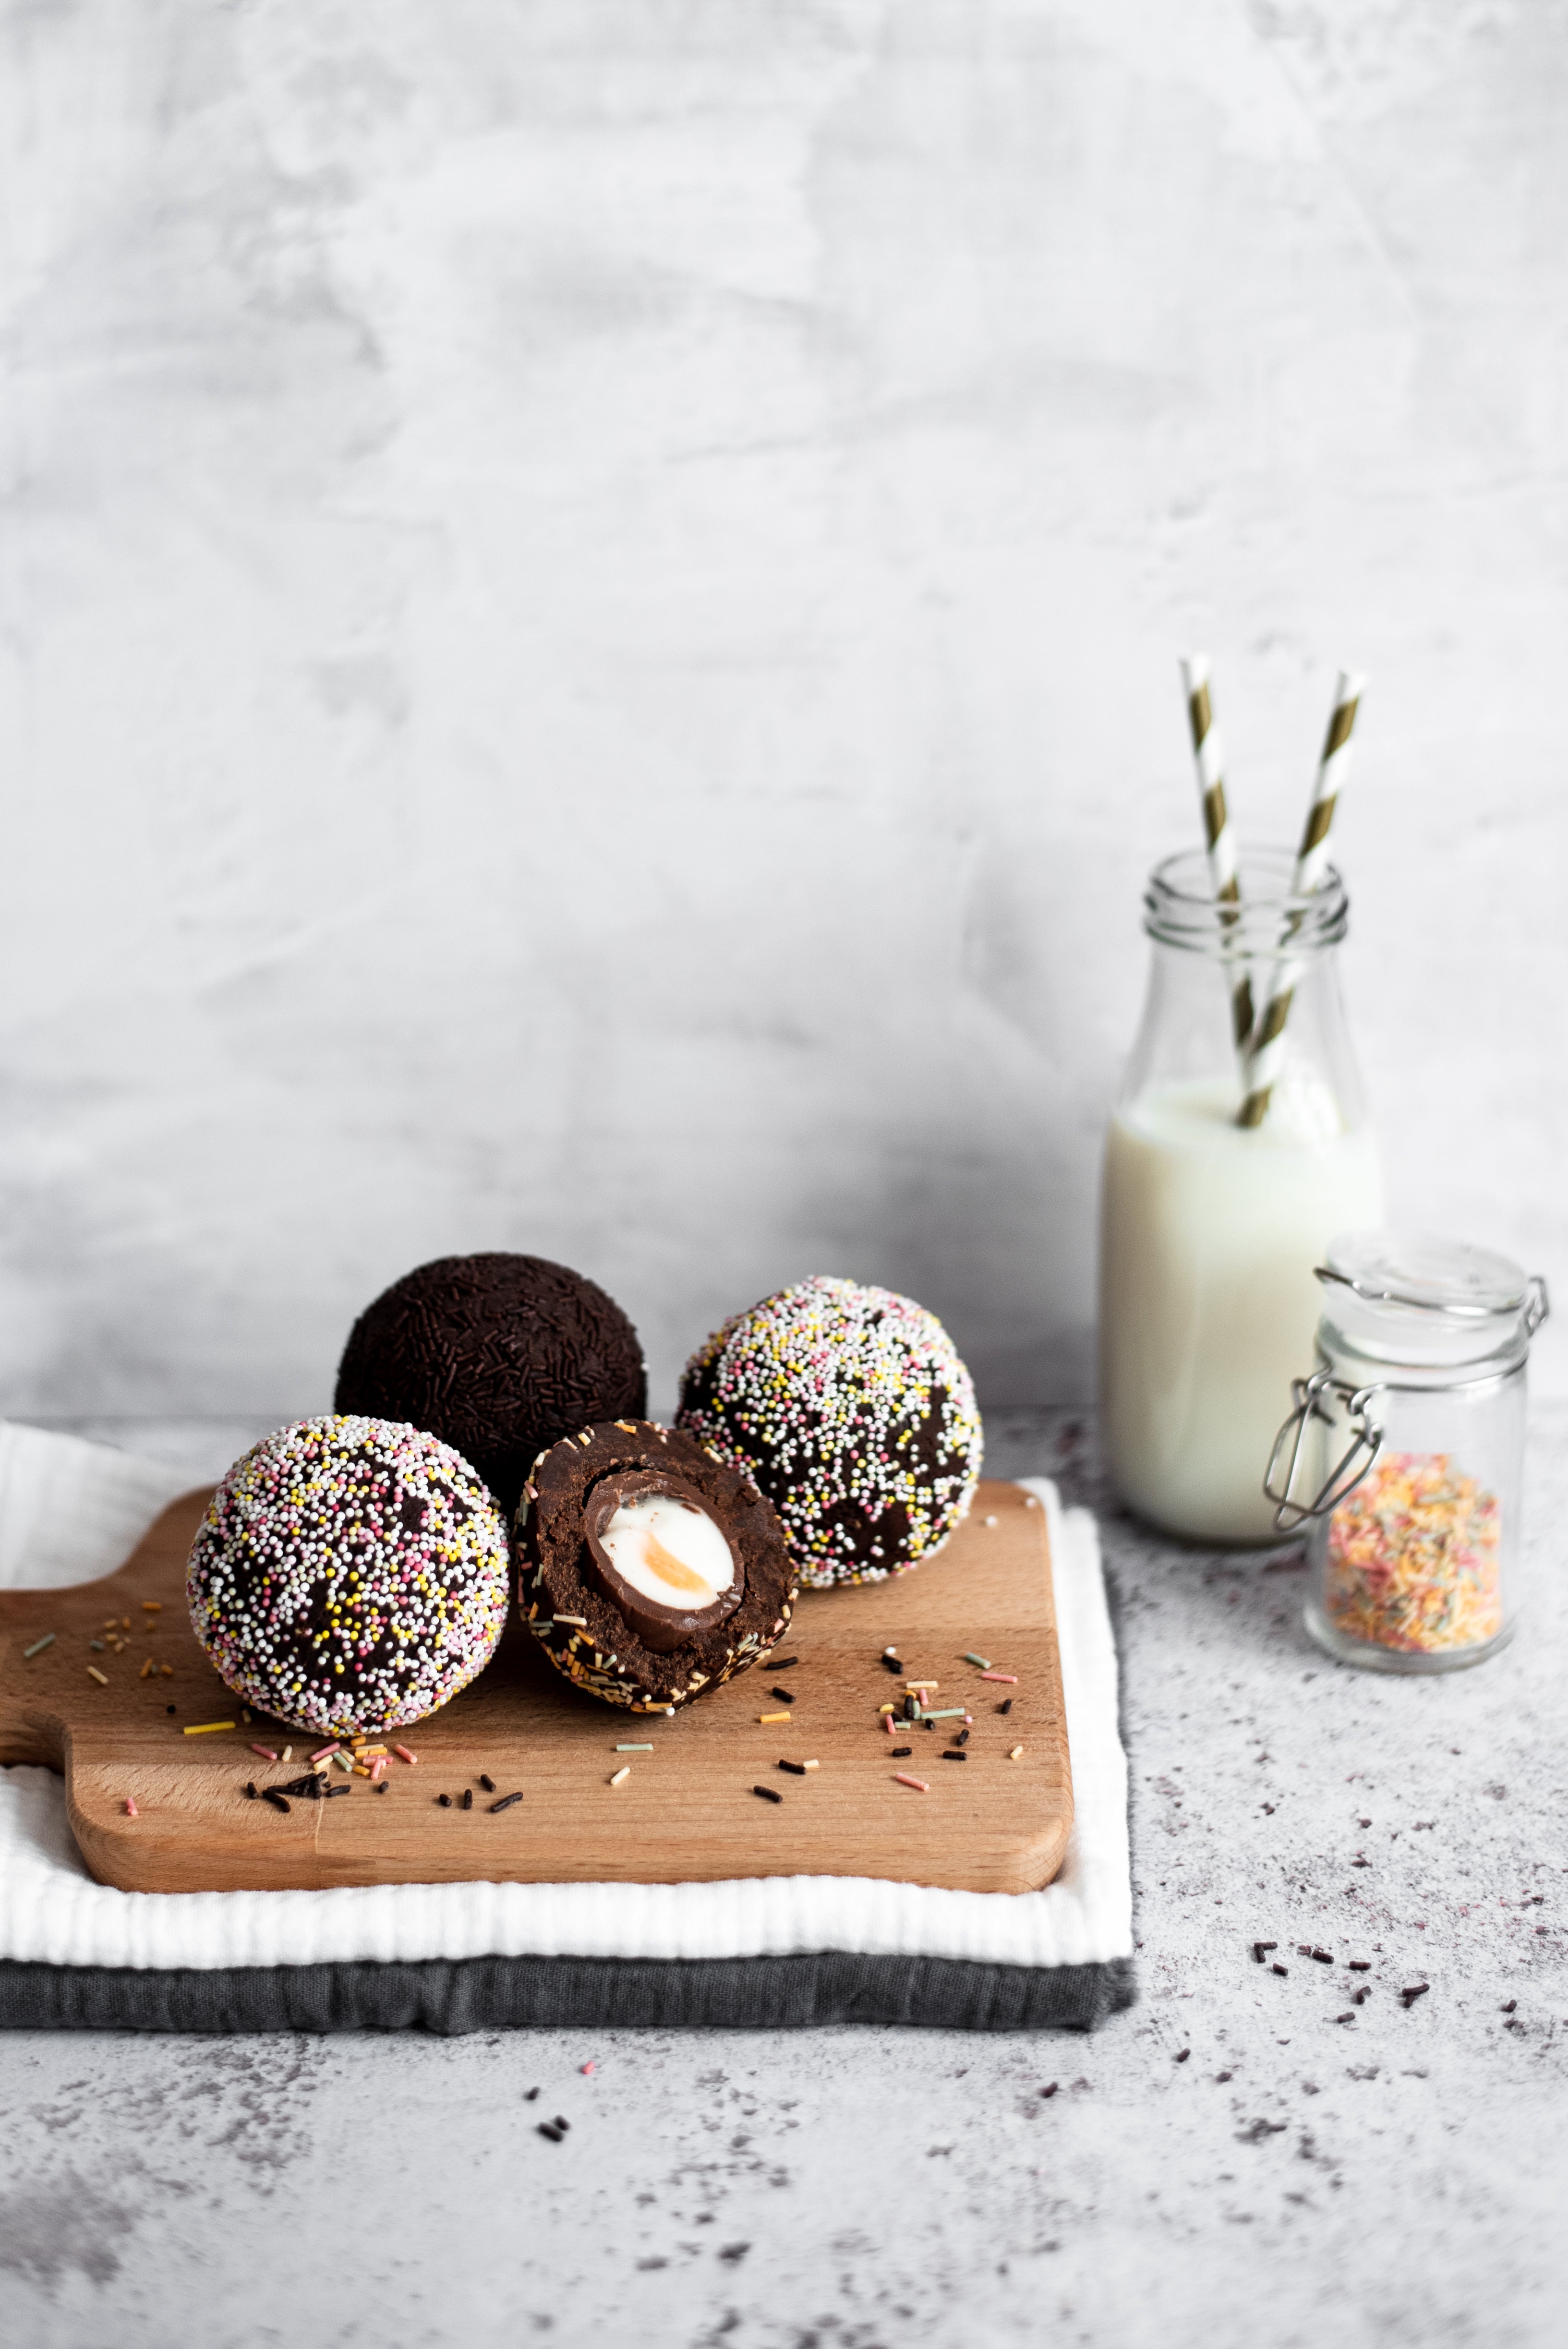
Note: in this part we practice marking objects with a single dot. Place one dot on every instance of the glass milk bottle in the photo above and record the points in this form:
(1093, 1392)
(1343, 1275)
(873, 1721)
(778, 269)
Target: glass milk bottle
(1209, 1227)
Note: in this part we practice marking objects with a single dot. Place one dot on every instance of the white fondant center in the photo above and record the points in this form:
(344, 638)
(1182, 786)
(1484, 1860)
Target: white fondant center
(669, 1551)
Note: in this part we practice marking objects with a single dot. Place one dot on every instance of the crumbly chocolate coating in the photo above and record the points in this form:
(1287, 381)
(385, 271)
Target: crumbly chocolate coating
(602, 1653)
(498, 1355)
(350, 1575)
(851, 1408)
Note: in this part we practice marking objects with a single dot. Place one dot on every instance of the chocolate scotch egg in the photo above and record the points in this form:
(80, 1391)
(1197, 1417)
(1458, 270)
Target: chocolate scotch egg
(649, 1571)
(498, 1355)
(850, 1407)
(350, 1575)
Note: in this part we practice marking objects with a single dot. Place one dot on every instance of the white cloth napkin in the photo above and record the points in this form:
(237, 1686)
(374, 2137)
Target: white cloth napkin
(71, 1510)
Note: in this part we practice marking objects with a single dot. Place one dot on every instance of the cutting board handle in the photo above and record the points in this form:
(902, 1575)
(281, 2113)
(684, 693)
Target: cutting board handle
(42, 1695)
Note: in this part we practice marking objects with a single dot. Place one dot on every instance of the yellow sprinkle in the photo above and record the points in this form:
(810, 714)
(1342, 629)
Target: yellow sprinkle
(1016, 1753)
(166, 1671)
(811, 1765)
(152, 1607)
(101, 1678)
(623, 1772)
(886, 1708)
(765, 1717)
(146, 1668)
(202, 1728)
(111, 1622)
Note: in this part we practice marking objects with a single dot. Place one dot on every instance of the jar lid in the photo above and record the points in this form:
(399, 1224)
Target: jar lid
(1431, 1299)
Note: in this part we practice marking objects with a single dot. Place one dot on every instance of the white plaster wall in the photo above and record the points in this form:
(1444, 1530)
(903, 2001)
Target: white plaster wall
(591, 592)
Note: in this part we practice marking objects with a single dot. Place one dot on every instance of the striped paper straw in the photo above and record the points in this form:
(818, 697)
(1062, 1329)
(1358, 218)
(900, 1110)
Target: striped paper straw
(1267, 1055)
(1217, 837)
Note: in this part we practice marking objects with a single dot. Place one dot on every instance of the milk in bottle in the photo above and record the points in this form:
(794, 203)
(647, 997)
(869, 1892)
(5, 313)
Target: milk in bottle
(1210, 1231)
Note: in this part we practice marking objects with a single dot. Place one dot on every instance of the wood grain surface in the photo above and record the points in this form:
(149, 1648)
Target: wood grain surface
(686, 1813)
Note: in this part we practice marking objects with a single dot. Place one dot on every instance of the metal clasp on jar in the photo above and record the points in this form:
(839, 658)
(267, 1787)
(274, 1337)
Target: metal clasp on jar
(1365, 1442)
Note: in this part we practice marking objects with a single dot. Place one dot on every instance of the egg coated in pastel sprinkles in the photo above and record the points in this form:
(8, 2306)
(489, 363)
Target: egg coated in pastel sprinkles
(350, 1576)
(851, 1408)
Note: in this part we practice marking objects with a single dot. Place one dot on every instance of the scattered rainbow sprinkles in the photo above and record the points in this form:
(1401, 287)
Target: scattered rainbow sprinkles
(851, 1408)
(1412, 1558)
(350, 1575)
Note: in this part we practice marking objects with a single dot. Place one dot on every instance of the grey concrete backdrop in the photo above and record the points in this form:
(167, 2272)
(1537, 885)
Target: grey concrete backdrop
(590, 599)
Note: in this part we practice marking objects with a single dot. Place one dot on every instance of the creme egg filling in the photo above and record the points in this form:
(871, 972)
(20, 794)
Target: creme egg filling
(668, 1552)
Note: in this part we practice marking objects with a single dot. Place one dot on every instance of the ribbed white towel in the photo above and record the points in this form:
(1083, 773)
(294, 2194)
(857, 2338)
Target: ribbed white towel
(71, 1510)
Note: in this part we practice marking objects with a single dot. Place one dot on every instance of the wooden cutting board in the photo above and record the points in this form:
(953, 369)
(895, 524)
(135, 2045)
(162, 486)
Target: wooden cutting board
(686, 1813)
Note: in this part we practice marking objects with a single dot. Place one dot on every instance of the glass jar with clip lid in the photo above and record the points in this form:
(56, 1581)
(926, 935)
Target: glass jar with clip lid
(1409, 1436)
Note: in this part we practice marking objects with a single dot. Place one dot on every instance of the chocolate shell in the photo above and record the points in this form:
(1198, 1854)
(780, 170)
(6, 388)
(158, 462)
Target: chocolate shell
(606, 1635)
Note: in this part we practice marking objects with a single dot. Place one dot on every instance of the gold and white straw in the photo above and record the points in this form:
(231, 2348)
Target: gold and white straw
(1217, 837)
(1267, 1053)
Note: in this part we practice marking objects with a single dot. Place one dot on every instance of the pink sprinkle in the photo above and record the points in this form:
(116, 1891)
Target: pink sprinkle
(265, 1752)
(131, 1810)
(905, 1780)
(406, 1755)
(324, 1753)
(584, 2067)
(888, 1724)
(1010, 1678)
(378, 1766)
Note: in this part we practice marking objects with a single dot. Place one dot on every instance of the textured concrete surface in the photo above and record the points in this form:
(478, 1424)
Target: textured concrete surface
(1232, 2162)
(589, 594)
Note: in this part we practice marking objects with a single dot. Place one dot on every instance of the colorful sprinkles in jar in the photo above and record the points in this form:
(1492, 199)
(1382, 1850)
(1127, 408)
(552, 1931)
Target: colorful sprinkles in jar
(350, 1576)
(1413, 1558)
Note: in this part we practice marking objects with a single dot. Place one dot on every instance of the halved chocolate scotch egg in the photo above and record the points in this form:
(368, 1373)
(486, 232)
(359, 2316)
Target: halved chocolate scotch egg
(649, 1571)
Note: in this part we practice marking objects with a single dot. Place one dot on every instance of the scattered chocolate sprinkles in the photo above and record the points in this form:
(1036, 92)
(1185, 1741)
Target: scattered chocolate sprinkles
(1006, 1705)
(784, 1663)
(1259, 1949)
(783, 1696)
(796, 1769)
(1415, 1991)
(902, 1753)
(505, 1802)
(768, 1794)
(955, 1757)
(445, 1801)
(468, 1798)
(487, 1782)
(279, 1802)
(547, 2128)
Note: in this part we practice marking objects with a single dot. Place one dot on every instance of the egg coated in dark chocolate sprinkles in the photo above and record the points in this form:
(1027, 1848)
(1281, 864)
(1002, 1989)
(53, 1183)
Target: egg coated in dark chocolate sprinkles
(497, 1354)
